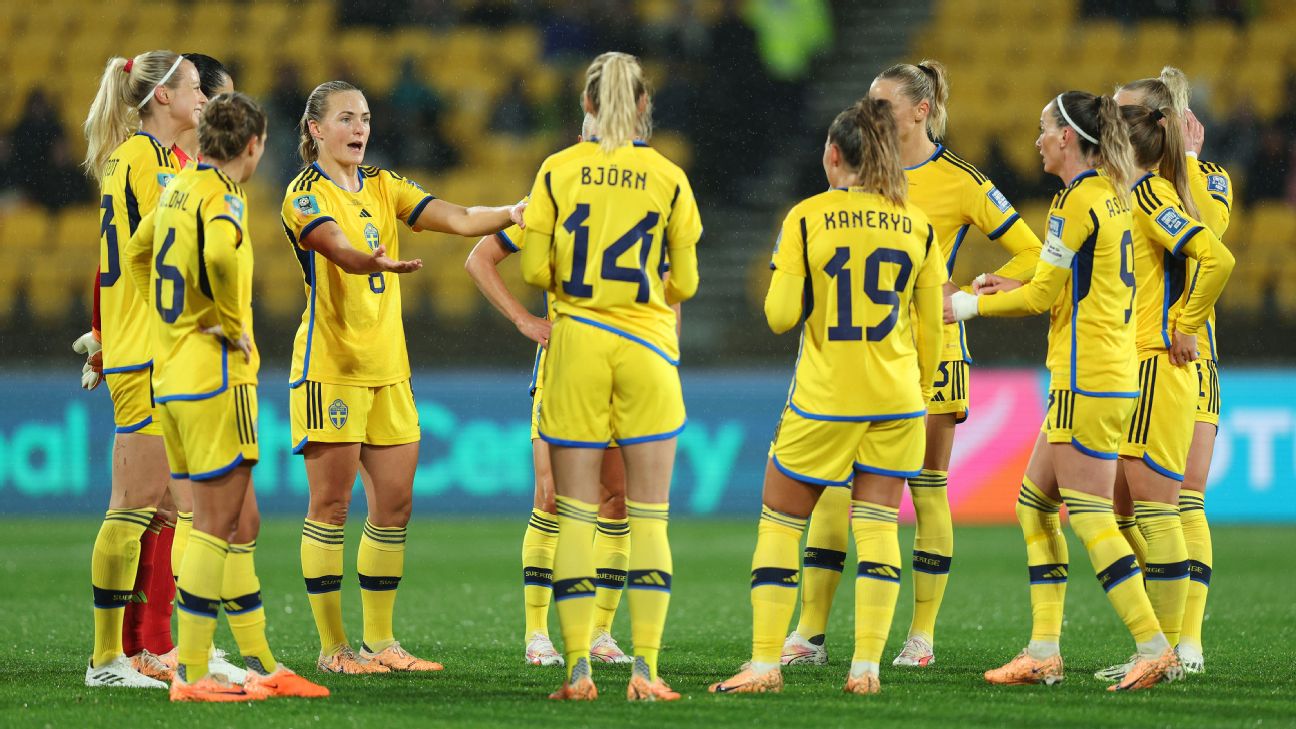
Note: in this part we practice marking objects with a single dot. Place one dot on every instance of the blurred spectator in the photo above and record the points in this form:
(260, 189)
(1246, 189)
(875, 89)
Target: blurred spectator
(286, 102)
(416, 112)
(514, 113)
(42, 164)
(568, 35)
(1267, 179)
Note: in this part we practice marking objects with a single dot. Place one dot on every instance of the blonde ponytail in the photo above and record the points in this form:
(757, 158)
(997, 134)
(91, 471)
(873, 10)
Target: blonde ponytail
(614, 85)
(1156, 136)
(122, 99)
(1170, 90)
(928, 82)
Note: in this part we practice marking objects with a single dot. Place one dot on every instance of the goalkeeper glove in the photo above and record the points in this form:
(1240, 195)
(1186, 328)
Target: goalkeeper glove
(92, 370)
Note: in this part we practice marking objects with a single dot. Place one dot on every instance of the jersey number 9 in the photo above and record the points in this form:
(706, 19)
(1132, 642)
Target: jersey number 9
(172, 274)
(845, 330)
(611, 270)
(1127, 270)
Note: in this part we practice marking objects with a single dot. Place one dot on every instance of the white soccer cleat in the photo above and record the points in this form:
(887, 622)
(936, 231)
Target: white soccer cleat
(217, 663)
(917, 651)
(604, 649)
(119, 673)
(540, 651)
(1191, 658)
(797, 651)
(1113, 674)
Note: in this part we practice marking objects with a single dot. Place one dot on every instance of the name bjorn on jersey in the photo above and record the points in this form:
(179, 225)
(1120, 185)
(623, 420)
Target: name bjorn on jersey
(614, 177)
(867, 219)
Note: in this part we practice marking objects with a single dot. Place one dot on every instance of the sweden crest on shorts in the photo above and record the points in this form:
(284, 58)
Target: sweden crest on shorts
(337, 413)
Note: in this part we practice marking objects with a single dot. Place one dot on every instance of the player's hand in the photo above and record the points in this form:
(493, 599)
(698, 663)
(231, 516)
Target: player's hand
(949, 288)
(960, 306)
(1194, 133)
(92, 370)
(516, 213)
(989, 283)
(535, 329)
(1184, 349)
(244, 343)
(390, 265)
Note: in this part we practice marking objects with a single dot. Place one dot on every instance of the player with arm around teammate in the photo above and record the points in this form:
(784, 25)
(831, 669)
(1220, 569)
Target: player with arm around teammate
(861, 269)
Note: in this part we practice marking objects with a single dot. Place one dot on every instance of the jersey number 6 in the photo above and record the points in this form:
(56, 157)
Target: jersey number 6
(845, 330)
(172, 274)
(611, 270)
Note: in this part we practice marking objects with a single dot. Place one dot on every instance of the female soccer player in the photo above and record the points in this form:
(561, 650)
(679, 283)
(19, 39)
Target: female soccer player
(954, 195)
(612, 531)
(1085, 277)
(351, 401)
(193, 254)
(1154, 454)
(618, 207)
(1212, 192)
(854, 415)
(143, 104)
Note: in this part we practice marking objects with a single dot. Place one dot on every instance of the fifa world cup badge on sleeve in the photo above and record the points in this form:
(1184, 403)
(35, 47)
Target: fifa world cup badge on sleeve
(1171, 221)
(234, 207)
(1217, 183)
(306, 205)
(998, 199)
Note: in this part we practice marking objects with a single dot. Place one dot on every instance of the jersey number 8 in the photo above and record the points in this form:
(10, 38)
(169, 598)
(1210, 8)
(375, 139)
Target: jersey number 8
(845, 330)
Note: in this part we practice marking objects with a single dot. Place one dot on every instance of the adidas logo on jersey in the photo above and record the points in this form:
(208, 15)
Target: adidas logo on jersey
(365, 213)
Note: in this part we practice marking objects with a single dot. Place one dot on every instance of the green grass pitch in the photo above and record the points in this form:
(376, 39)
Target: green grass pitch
(460, 603)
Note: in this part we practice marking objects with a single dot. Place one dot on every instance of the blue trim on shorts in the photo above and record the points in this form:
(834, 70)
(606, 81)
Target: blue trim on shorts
(508, 242)
(132, 428)
(650, 438)
(601, 445)
(861, 468)
(179, 476)
(218, 472)
(854, 418)
(127, 368)
(297, 449)
(206, 395)
(806, 479)
(627, 335)
(1093, 453)
(1162, 469)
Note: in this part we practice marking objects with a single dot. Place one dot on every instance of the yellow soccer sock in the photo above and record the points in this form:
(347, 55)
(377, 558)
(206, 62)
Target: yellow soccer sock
(774, 580)
(649, 581)
(1046, 560)
(198, 601)
(321, 557)
(824, 560)
(573, 583)
(1192, 512)
(877, 580)
(933, 548)
(1129, 529)
(611, 561)
(537, 570)
(380, 566)
(184, 525)
(112, 576)
(1165, 573)
(1093, 521)
(241, 598)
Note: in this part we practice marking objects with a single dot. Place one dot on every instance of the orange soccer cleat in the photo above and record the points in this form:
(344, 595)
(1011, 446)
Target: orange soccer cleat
(750, 682)
(643, 687)
(396, 658)
(1024, 670)
(344, 660)
(866, 684)
(211, 688)
(580, 687)
(152, 666)
(284, 682)
(1148, 673)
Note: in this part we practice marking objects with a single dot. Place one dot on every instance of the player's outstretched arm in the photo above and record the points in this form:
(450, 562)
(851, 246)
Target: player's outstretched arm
(483, 268)
(328, 240)
(446, 217)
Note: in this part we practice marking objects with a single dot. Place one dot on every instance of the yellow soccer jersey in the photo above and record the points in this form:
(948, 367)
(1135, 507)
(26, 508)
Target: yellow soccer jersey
(955, 196)
(1086, 276)
(613, 219)
(131, 181)
(512, 239)
(1212, 191)
(351, 332)
(1166, 240)
(861, 257)
(184, 254)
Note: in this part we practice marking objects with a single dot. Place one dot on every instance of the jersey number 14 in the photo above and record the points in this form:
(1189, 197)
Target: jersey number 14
(611, 270)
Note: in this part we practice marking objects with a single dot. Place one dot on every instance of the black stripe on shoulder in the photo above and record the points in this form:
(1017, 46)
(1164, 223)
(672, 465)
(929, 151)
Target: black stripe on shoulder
(373, 170)
(1062, 196)
(157, 152)
(1143, 194)
(1212, 168)
(304, 180)
(225, 180)
(1152, 196)
(964, 165)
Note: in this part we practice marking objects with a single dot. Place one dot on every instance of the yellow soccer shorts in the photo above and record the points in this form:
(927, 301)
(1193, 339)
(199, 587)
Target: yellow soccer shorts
(1161, 430)
(950, 390)
(132, 397)
(328, 413)
(1094, 425)
(600, 386)
(1208, 392)
(535, 418)
(208, 438)
(830, 452)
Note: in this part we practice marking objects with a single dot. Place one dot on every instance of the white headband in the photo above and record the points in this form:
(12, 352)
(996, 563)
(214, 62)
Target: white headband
(1073, 125)
(160, 84)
